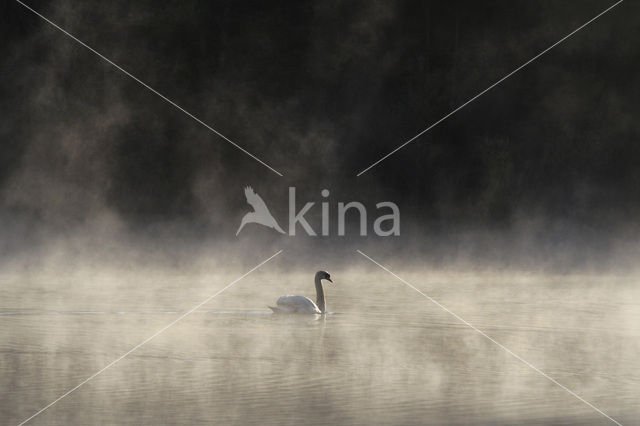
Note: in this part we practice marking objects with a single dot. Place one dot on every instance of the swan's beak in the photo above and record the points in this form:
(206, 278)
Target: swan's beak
(329, 279)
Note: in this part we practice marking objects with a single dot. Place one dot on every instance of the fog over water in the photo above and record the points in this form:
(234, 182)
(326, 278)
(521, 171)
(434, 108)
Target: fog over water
(519, 214)
(384, 354)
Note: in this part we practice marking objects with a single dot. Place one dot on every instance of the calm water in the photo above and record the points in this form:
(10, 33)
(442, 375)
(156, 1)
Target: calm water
(385, 356)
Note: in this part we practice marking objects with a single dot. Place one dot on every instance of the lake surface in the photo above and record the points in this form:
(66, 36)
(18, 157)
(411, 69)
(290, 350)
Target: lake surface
(386, 354)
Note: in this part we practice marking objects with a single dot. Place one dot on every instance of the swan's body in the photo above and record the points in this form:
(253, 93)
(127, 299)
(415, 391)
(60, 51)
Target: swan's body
(303, 305)
(295, 305)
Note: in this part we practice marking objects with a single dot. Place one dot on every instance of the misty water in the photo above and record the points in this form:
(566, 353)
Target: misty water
(384, 355)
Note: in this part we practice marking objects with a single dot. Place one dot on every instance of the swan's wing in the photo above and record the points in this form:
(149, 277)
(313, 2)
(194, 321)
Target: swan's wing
(297, 304)
(254, 200)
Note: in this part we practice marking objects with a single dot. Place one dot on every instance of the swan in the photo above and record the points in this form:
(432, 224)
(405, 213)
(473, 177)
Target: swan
(303, 305)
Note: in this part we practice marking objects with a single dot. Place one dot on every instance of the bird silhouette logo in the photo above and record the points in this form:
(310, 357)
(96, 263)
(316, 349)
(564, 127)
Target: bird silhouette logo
(260, 214)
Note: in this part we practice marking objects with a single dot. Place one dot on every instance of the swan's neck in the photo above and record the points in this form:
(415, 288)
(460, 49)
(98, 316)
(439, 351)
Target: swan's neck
(319, 295)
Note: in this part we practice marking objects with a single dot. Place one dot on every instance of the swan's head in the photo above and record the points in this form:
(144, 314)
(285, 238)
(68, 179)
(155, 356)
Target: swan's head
(323, 275)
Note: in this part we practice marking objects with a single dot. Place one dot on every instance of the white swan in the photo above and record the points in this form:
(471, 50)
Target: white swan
(303, 305)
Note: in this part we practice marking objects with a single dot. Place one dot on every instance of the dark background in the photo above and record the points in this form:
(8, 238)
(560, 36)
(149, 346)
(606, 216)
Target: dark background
(542, 168)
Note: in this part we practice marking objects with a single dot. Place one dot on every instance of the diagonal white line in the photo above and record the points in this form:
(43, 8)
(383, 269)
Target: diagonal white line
(150, 88)
(500, 345)
(180, 318)
(490, 87)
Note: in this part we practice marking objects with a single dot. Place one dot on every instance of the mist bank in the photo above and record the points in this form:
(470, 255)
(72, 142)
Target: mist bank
(540, 174)
(106, 243)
